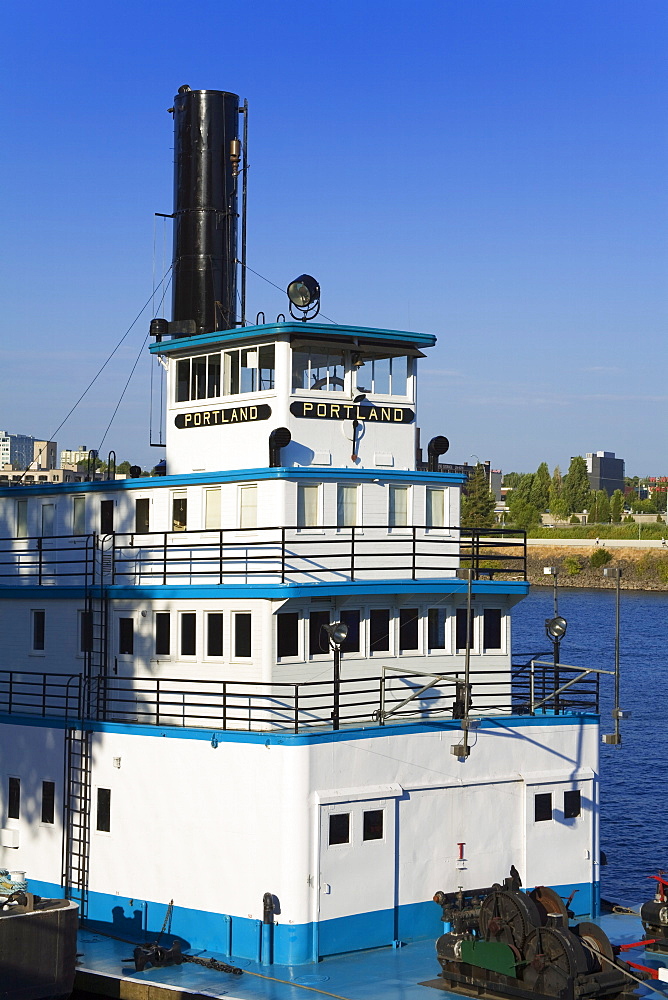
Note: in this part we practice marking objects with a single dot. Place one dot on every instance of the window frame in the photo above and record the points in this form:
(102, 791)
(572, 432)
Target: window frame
(485, 647)
(100, 808)
(537, 808)
(234, 655)
(52, 821)
(13, 797)
(302, 489)
(35, 649)
(181, 655)
(290, 657)
(145, 505)
(208, 655)
(22, 523)
(170, 638)
(392, 523)
(78, 514)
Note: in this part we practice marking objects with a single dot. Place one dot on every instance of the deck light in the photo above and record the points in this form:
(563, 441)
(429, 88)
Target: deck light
(336, 632)
(304, 294)
(556, 627)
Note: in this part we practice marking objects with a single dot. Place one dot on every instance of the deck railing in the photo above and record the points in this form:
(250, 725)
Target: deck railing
(325, 553)
(296, 707)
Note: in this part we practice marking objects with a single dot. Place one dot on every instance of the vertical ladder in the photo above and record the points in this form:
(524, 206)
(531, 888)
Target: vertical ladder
(77, 817)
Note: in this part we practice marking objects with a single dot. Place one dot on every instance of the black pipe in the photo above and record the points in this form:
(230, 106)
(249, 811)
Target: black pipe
(437, 446)
(204, 269)
(279, 438)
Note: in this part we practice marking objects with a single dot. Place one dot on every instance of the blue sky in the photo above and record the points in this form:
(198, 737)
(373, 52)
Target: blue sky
(491, 171)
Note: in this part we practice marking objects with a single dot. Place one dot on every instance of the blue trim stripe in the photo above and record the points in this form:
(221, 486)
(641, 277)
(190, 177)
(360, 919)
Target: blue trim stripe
(296, 473)
(506, 724)
(313, 330)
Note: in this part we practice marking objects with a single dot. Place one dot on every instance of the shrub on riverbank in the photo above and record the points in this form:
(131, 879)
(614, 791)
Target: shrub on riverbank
(642, 569)
(629, 531)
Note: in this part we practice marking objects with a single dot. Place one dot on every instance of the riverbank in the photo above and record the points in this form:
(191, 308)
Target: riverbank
(643, 567)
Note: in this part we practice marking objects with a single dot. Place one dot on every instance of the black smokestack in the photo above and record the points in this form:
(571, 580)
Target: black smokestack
(206, 132)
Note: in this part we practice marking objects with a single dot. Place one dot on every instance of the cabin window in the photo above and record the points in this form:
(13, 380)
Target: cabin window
(384, 376)
(346, 506)
(460, 637)
(249, 369)
(287, 634)
(542, 806)
(198, 378)
(212, 508)
(38, 630)
(248, 507)
(436, 628)
(572, 803)
(351, 643)
(214, 634)
(317, 641)
(85, 631)
(398, 507)
(162, 633)
(409, 632)
(48, 802)
(48, 520)
(126, 636)
(313, 370)
(379, 630)
(21, 518)
(339, 828)
(242, 634)
(307, 505)
(179, 512)
(435, 508)
(14, 799)
(142, 505)
(182, 381)
(372, 824)
(188, 633)
(78, 515)
(106, 517)
(491, 624)
(103, 824)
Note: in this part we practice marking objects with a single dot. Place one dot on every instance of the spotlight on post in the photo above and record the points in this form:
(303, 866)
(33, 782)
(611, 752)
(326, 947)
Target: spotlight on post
(615, 739)
(336, 634)
(304, 295)
(556, 628)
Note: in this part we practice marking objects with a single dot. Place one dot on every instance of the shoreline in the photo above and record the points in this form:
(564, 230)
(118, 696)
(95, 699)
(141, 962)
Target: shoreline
(643, 568)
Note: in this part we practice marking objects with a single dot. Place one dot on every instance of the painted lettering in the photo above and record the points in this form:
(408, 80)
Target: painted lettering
(252, 413)
(399, 415)
(321, 409)
(207, 416)
(372, 414)
(385, 413)
(334, 409)
(307, 408)
(234, 416)
(197, 419)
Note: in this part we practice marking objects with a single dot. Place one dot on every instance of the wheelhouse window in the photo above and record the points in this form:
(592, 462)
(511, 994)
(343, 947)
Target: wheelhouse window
(240, 370)
(315, 370)
(384, 376)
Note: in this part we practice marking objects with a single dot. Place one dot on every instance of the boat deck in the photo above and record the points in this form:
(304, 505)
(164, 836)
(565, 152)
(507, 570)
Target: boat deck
(379, 974)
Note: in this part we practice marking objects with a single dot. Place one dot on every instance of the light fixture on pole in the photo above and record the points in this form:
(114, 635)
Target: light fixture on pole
(304, 295)
(463, 750)
(555, 629)
(614, 573)
(336, 635)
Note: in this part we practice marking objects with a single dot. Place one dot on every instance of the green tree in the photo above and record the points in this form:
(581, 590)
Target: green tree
(539, 494)
(524, 515)
(576, 485)
(602, 507)
(511, 479)
(478, 502)
(616, 506)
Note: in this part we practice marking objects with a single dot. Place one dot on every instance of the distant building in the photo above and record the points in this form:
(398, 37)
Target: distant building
(9, 476)
(16, 450)
(45, 455)
(605, 472)
(74, 457)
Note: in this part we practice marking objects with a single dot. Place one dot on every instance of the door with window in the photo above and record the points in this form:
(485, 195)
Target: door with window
(124, 650)
(357, 885)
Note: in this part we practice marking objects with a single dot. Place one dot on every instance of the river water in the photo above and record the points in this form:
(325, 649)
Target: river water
(633, 775)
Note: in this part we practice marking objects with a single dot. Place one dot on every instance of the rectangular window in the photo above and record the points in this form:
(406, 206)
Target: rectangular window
(126, 636)
(436, 628)
(142, 505)
(198, 378)
(48, 801)
(249, 369)
(287, 634)
(213, 376)
(48, 520)
(339, 828)
(212, 508)
(542, 806)
(21, 518)
(106, 517)
(384, 376)
(435, 508)
(491, 625)
(85, 631)
(214, 634)
(460, 639)
(183, 381)
(379, 630)
(179, 512)
(409, 621)
(572, 804)
(188, 633)
(14, 799)
(398, 508)
(242, 635)
(266, 366)
(351, 643)
(313, 370)
(346, 506)
(248, 507)
(307, 505)
(103, 823)
(162, 633)
(38, 630)
(317, 641)
(78, 515)
(372, 825)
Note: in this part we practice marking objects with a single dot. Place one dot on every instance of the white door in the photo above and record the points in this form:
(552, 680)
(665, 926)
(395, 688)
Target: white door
(357, 875)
